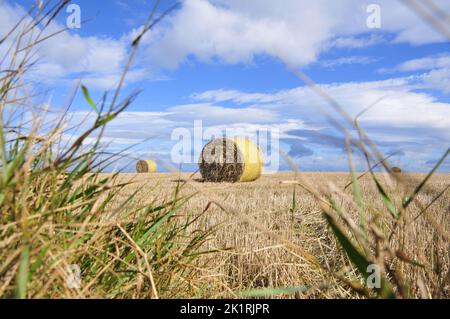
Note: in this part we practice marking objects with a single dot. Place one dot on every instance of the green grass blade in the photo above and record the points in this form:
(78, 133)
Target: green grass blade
(88, 98)
(359, 260)
(22, 275)
(155, 226)
(410, 198)
(39, 260)
(387, 201)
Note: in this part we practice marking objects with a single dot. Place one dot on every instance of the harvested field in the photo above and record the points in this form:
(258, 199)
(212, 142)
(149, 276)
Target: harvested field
(265, 229)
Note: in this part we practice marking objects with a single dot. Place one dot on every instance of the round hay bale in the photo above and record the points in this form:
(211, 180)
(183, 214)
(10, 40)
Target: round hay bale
(396, 169)
(146, 166)
(231, 160)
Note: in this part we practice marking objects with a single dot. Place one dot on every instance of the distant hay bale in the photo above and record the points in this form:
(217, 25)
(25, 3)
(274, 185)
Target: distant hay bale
(396, 169)
(146, 166)
(231, 160)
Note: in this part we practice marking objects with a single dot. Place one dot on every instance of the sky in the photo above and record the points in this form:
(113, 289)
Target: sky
(229, 66)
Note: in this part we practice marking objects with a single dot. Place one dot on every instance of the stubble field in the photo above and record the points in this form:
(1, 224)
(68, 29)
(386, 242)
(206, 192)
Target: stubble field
(271, 233)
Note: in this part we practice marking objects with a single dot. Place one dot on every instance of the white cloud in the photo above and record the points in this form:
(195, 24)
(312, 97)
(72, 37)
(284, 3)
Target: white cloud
(438, 67)
(214, 114)
(211, 32)
(403, 119)
(233, 95)
(356, 42)
(400, 110)
(399, 106)
(425, 63)
(66, 55)
(350, 60)
(413, 122)
(438, 79)
(229, 31)
(295, 31)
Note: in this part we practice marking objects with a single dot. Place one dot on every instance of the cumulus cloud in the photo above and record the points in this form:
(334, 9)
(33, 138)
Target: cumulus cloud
(438, 79)
(215, 114)
(296, 31)
(413, 122)
(68, 55)
(228, 31)
(403, 119)
(210, 32)
(438, 71)
(425, 63)
(398, 105)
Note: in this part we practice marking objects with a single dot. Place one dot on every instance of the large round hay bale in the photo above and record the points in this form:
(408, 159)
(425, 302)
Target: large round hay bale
(231, 160)
(396, 169)
(146, 166)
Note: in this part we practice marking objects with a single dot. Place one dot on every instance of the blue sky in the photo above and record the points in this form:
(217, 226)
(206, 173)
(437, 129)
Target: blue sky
(229, 64)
